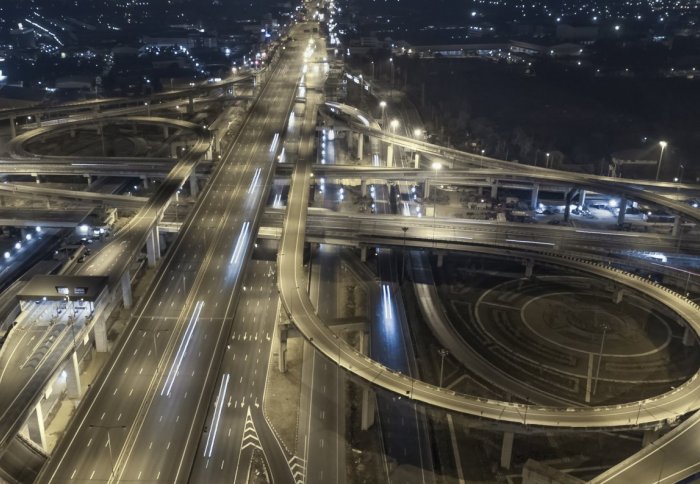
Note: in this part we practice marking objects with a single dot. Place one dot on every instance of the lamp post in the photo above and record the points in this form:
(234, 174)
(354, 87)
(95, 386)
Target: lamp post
(663, 145)
(436, 166)
(394, 124)
(547, 162)
(403, 254)
(600, 357)
(443, 353)
(382, 104)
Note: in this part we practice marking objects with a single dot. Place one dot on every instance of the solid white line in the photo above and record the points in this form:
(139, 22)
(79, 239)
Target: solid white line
(172, 374)
(209, 448)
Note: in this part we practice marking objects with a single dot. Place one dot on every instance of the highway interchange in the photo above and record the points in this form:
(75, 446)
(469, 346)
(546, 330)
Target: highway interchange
(176, 403)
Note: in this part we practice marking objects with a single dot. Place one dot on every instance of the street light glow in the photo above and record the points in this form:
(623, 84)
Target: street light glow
(437, 166)
(663, 144)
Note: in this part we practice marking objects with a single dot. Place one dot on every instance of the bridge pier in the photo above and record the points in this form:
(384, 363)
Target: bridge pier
(688, 337)
(363, 254)
(650, 436)
(13, 127)
(153, 247)
(390, 155)
(194, 185)
(440, 259)
(622, 212)
(369, 403)
(529, 267)
(582, 197)
(675, 232)
(36, 427)
(507, 450)
(535, 196)
(72, 369)
(166, 132)
(567, 204)
(416, 160)
(144, 182)
(617, 296)
(127, 297)
(100, 330)
(494, 189)
(360, 146)
(426, 189)
(190, 105)
(369, 400)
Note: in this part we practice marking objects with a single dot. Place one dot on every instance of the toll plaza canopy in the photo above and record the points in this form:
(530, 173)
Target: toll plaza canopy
(58, 288)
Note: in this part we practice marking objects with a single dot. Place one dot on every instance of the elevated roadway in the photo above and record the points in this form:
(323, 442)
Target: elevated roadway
(669, 406)
(151, 399)
(114, 261)
(645, 190)
(96, 105)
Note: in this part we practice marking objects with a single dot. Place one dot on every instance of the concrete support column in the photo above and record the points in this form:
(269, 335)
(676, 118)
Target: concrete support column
(688, 337)
(617, 296)
(529, 267)
(100, 330)
(416, 161)
(623, 210)
(166, 132)
(494, 189)
(35, 425)
(36, 178)
(360, 146)
(440, 259)
(390, 155)
(650, 436)
(676, 226)
(363, 254)
(13, 127)
(350, 140)
(88, 178)
(174, 150)
(368, 408)
(127, 297)
(426, 190)
(194, 185)
(23, 233)
(153, 247)
(567, 204)
(535, 196)
(507, 450)
(282, 354)
(144, 182)
(73, 386)
(190, 105)
(363, 187)
(582, 197)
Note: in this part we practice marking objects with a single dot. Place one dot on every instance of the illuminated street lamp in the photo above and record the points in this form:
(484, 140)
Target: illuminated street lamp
(394, 124)
(382, 104)
(663, 145)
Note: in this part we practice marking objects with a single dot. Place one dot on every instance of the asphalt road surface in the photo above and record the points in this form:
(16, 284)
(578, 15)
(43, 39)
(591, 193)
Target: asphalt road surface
(147, 410)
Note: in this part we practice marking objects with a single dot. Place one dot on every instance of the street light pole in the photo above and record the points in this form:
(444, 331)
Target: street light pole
(600, 357)
(443, 353)
(663, 145)
(403, 254)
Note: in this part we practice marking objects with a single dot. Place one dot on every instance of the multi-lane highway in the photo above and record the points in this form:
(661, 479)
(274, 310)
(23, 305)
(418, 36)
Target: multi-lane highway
(144, 416)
